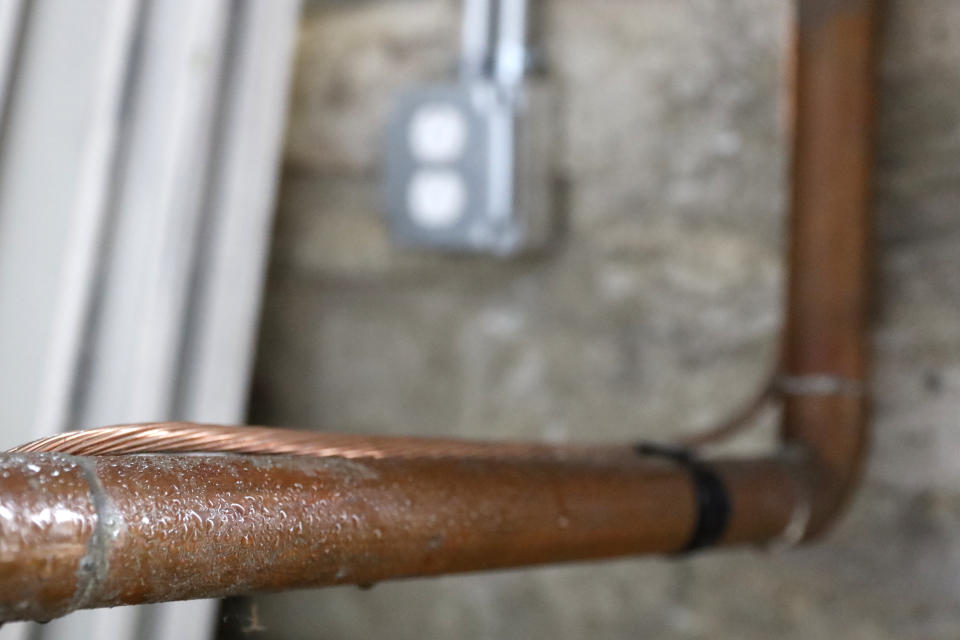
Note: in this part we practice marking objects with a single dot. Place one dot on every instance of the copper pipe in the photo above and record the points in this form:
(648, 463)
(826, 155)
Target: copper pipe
(825, 341)
(99, 530)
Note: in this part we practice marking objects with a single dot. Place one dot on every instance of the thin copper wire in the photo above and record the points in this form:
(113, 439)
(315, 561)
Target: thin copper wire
(739, 421)
(186, 437)
(170, 437)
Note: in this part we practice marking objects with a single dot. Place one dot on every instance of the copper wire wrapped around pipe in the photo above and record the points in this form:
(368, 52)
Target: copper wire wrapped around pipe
(173, 437)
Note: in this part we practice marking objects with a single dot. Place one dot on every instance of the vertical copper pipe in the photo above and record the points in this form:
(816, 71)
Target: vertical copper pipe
(825, 361)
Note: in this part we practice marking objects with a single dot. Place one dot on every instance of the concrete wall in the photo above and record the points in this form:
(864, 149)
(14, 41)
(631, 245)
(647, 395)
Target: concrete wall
(654, 315)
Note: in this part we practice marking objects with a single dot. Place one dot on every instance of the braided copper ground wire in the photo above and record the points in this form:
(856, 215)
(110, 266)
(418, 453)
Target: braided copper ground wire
(187, 437)
(182, 437)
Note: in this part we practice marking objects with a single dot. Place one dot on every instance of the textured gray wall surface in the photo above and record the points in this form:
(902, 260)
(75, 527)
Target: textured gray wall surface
(655, 313)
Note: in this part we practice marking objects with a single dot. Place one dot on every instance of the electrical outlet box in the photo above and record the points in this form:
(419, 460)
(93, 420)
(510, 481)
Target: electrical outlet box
(467, 165)
(468, 168)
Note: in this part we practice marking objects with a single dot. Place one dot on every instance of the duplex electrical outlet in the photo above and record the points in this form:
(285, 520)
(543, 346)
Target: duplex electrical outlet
(467, 165)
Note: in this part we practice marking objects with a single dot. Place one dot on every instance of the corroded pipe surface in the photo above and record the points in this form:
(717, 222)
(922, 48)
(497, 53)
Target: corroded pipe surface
(79, 532)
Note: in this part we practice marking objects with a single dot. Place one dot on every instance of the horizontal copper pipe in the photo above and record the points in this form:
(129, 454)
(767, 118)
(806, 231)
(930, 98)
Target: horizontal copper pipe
(78, 532)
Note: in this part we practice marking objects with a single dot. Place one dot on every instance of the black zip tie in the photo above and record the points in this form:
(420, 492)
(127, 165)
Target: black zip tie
(713, 501)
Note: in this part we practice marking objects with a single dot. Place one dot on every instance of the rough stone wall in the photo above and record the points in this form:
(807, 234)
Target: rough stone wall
(655, 313)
